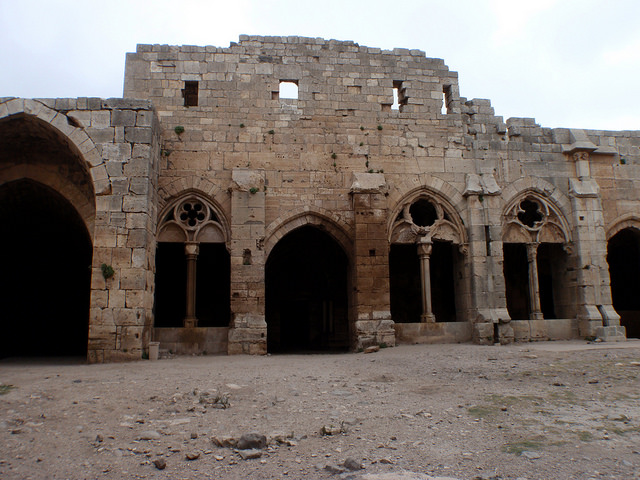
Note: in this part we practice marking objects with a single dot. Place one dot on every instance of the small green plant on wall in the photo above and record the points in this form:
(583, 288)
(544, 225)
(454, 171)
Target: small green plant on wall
(179, 130)
(107, 271)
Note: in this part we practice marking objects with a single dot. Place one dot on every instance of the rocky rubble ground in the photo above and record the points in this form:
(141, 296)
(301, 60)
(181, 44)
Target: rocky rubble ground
(529, 411)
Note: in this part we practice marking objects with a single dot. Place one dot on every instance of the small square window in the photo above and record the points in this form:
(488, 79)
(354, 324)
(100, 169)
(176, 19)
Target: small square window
(288, 89)
(190, 93)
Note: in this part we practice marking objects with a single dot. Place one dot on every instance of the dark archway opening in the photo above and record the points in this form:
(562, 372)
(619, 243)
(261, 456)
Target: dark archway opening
(212, 285)
(45, 253)
(623, 256)
(171, 285)
(516, 277)
(307, 293)
(551, 260)
(405, 283)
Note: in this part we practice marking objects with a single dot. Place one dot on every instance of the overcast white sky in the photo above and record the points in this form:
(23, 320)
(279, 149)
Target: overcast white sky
(567, 63)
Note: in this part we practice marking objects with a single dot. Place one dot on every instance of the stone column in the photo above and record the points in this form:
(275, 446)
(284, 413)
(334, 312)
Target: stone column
(534, 286)
(424, 252)
(596, 315)
(191, 250)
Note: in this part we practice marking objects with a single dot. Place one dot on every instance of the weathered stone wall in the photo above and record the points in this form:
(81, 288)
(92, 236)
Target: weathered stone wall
(308, 149)
(115, 143)
(340, 157)
(126, 135)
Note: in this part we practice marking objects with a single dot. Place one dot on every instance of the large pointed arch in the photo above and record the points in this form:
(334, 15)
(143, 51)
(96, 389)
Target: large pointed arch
(308, 215)
(47, 146)
(623, 257)
(307, 290)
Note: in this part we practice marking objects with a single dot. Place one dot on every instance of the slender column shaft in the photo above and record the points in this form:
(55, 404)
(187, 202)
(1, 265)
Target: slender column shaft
(534, 286)
(424, 252)
(191, 251)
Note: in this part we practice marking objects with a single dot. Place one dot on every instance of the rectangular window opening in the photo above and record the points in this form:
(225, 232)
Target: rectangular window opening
(190, 93)
(288, 89)
(446, 99)
(487, 239)
(400, 98)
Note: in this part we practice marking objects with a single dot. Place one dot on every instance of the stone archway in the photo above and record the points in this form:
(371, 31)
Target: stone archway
(47, 213)
(192, 265)
(623, 257)
(426, 260)
(535, 243)
(45, 253)
(307, 306)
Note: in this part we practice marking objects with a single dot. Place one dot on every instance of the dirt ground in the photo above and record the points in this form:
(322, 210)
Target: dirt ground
(556, 410)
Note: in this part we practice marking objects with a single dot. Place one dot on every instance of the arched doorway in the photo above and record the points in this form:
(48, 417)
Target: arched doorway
(307, 293)
(623, 256)
(45, 253)
(47, 213)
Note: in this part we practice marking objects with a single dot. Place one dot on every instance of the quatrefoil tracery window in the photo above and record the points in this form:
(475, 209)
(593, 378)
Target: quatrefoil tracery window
(529, 213)
(192, 219)
(533, 219)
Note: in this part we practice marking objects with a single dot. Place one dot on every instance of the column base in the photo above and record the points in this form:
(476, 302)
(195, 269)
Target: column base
(248, 335)
(190, 322)
(378, 332)
(428, 318)
(612, 334)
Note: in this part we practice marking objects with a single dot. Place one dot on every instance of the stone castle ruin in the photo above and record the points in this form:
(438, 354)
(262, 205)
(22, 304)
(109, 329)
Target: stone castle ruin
(299, 194)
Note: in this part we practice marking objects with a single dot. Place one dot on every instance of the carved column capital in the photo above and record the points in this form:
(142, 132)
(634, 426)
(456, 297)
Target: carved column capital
(425, 247)
(580, 156)
(191, 249)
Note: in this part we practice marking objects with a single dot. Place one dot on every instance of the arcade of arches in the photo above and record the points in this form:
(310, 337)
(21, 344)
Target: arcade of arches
(118, 231)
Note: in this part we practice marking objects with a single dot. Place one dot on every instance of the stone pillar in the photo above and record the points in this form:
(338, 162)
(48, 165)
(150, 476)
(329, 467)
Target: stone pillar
(534, 286)
(424, 252)
(191, 251)
(596, 315)
(248, 329)
(487, 304)
(126, 185)
(371, 302)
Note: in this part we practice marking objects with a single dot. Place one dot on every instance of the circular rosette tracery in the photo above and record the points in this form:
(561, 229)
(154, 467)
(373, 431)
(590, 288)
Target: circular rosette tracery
(426, 216)
(191, 219)
(533, 219)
